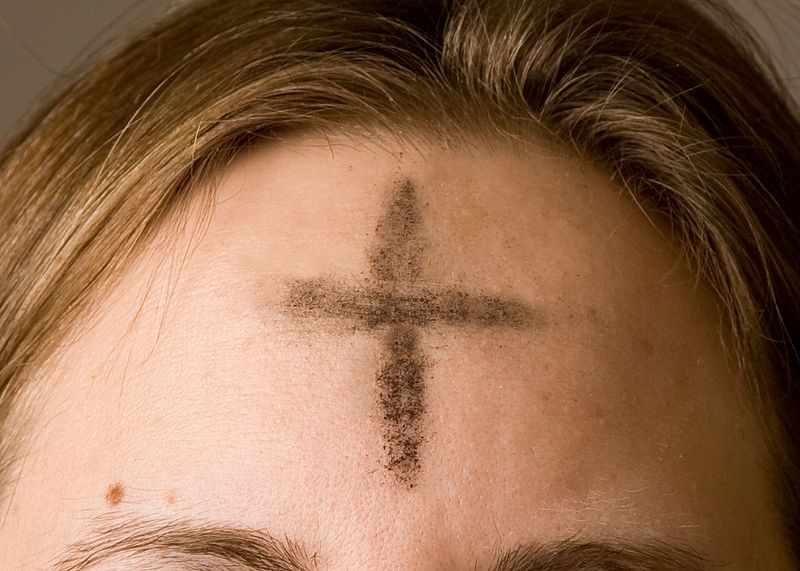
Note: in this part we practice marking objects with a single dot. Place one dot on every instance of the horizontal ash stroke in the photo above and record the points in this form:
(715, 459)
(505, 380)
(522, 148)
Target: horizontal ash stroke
(374, 306)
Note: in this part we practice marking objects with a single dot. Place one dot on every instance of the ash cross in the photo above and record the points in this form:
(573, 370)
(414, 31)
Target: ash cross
(395, 302)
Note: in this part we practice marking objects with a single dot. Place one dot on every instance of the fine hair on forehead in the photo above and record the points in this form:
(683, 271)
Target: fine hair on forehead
(675, 99)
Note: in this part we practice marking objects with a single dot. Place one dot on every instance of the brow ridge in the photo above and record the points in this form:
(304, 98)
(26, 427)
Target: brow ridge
(616, 554)
(185, 539)
(193, 543)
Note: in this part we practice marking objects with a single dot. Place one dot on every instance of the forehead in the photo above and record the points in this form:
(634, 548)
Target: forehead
(202, 388)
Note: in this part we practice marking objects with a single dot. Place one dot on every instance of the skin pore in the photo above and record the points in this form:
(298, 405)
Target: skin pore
(210, 389)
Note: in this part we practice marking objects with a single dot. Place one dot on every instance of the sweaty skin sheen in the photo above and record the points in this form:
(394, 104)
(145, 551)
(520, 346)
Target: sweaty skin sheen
(237, 374)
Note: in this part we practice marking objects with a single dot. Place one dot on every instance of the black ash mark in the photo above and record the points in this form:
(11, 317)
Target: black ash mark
(396, 257)
(394, 299)
(401, 392)
(373, 306)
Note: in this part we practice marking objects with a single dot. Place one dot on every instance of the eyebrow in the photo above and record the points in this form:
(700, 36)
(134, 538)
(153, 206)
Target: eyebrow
(606, 555)
(196, 545)
(185, 544)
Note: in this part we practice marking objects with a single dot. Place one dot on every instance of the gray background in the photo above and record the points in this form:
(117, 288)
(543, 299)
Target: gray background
(40, 39)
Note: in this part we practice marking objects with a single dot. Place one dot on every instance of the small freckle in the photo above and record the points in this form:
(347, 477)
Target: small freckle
(115, 494)
(171, 498)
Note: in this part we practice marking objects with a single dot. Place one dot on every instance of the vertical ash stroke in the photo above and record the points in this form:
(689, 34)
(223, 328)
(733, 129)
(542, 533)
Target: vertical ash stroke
(396, 257)
(401, 394)
(396, 260)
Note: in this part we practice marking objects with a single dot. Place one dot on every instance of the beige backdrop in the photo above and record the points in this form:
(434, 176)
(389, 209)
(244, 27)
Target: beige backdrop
(40, 39)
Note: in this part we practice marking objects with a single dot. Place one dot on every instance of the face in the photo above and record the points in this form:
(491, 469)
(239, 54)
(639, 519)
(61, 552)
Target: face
(398, 357)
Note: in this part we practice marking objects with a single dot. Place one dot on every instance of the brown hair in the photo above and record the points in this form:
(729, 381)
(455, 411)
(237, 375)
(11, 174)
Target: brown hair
(676, 99)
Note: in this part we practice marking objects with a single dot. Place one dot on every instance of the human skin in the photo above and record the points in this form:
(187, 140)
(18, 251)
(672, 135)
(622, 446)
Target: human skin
(193, 392)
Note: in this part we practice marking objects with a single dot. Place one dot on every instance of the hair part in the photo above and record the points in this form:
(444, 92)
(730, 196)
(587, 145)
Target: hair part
(676, 100)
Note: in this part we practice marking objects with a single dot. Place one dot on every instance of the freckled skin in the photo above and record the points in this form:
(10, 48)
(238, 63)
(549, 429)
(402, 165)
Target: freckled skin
(171, 498)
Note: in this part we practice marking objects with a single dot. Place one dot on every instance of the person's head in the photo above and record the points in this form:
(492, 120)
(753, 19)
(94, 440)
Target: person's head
(417, 285)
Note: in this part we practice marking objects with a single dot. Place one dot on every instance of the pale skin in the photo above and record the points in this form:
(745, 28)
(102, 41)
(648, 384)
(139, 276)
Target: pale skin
(194, 394)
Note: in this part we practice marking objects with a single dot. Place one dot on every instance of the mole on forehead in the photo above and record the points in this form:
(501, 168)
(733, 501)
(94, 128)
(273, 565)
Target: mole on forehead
(396, 304)
(115, 494)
